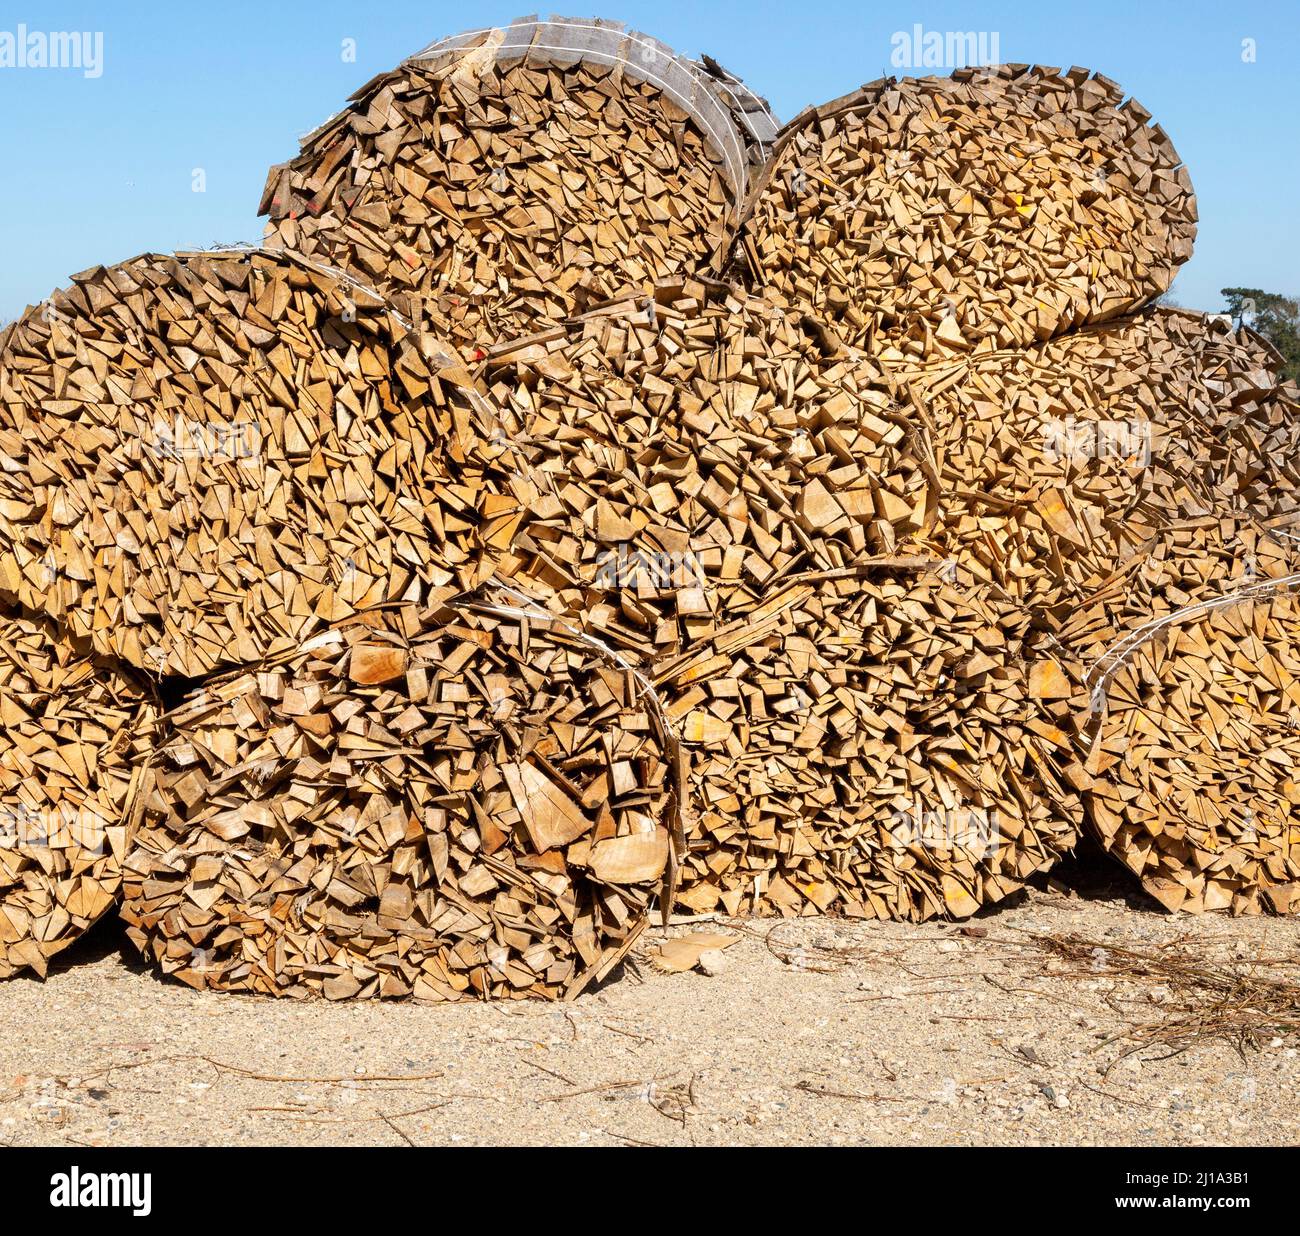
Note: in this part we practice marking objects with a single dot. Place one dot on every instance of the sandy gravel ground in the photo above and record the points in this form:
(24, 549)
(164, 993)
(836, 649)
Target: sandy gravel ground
(814, 1032)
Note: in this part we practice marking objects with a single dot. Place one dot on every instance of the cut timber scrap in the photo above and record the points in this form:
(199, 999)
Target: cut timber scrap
(873, 749)
(507, 179)
(209, 456)
(1197, 759)
(72, 728)
(489, 822)
(993, 208)
(683, 953)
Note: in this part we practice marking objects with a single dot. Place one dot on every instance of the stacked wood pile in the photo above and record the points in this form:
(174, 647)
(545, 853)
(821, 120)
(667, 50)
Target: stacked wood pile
(574, 506)
(1197, 757)
(501, 181)
(209, 456)
(445, 805)
(990, 209)
(1111, 479)
(1094, 481)
(733, 496)
(74, 733)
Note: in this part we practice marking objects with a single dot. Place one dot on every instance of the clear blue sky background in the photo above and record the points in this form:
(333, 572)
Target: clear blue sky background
(99, 170)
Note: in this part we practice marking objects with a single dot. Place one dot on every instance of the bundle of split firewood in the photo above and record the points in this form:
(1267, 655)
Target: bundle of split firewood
(76, 735)
(212, 455)
(697, 458)
(1197, 781)
(440, 804)
(989, 209)
(1106, 452)
(512, 178)
(591, 497)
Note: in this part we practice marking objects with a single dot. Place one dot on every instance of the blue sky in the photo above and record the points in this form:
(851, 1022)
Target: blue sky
(99, 169)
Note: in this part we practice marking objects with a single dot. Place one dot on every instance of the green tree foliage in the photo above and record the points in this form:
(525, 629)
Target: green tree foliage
(1276, 317)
